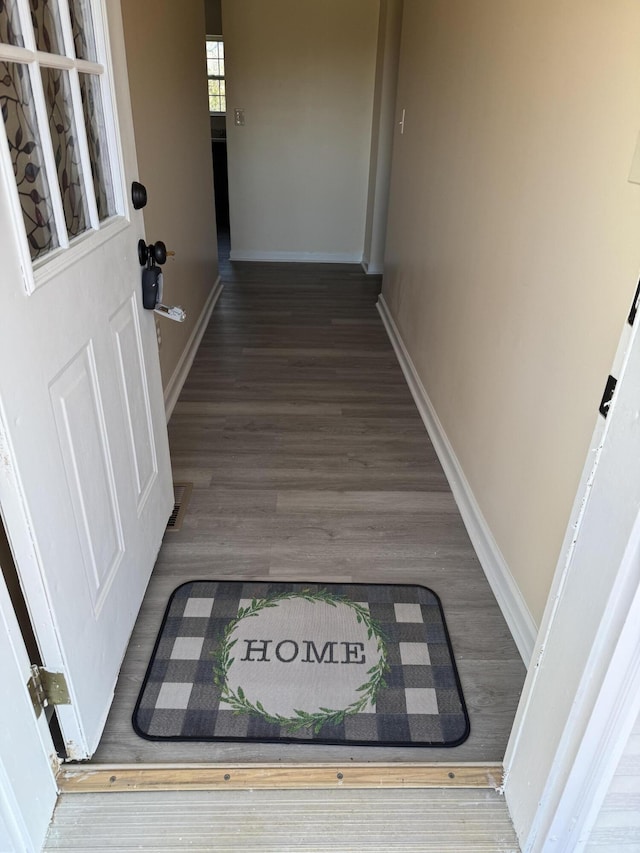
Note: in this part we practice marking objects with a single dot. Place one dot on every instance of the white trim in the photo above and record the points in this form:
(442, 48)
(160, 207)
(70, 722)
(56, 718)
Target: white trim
(110, 93)
(371, 269)
(297, 257)
(55, 60)
(11, 815)
(382, 133)
(87, 66)
(505, 589)
(56, 262)
(13, 53)
(7, 179)
(28, 558)
(606, 729)
(179, 375)
(28, 788)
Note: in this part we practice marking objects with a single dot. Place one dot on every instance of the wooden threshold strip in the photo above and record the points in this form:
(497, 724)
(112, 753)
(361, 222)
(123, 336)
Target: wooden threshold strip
(99, 778)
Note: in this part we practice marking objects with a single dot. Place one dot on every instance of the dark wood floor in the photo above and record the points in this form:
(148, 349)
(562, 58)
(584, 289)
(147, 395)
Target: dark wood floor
(310, 462)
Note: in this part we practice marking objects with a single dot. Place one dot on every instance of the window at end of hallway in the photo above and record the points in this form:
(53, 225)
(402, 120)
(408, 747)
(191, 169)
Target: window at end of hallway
(215, 75)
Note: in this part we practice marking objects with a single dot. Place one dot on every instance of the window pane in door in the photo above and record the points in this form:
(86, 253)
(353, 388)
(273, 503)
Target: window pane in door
(82, 26)
(10, 30)
(46, 25)
(18, 113)
(97, 139)
(57, 92)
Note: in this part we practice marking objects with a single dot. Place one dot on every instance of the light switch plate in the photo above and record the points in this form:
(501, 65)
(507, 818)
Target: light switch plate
(238, 117)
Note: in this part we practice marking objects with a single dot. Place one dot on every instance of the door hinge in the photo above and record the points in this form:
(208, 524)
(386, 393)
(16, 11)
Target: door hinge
(634, 306)
(46, 689)
(607, 397)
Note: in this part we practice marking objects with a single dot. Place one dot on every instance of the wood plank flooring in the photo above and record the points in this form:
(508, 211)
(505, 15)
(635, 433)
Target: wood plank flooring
(310, 462)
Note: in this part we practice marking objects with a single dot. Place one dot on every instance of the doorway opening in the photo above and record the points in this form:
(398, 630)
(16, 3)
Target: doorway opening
(218, 123)
(310, 463)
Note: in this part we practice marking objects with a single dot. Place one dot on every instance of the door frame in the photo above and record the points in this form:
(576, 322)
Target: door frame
(581, 696)
(599, 723)
(28, 788)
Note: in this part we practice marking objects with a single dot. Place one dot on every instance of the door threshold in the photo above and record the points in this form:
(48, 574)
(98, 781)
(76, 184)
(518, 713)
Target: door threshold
(101, 778)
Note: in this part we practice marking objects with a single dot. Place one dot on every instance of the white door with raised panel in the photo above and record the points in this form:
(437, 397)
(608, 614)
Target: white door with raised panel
(85, 480)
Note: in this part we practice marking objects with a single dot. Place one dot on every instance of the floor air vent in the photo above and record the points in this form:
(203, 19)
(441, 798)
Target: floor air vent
(182, 494)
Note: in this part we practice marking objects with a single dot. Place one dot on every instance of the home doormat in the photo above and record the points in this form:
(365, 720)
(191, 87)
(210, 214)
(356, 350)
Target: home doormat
(288, 662)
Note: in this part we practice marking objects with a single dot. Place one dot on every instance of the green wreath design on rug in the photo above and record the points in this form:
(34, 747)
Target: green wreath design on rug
(240, 704)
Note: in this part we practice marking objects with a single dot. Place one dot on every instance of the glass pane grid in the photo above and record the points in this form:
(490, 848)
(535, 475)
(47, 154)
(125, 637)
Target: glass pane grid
(59, 143)
(25, 149)
(57, 92)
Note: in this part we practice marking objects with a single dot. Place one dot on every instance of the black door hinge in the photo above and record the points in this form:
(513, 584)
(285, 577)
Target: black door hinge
(607, 397)
(634, 306)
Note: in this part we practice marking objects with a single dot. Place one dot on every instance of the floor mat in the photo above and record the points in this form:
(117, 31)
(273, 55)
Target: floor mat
(365, 664)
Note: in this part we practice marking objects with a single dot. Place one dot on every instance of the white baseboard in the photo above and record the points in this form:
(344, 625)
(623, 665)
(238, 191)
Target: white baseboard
(297, 257)
(504, 587)
(179, 376)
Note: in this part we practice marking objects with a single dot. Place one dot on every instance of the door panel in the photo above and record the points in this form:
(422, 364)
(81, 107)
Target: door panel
(85, 481)
(84, 447)
(125, 327)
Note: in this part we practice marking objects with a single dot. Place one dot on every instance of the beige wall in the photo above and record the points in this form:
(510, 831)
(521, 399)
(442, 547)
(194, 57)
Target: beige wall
(513, 247)
(167, 76)
(303, 71)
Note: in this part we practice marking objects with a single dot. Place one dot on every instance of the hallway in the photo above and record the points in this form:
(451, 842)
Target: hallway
(310, 462)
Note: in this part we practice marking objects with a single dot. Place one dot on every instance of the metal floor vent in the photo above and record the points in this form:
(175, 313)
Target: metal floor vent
(182, 494)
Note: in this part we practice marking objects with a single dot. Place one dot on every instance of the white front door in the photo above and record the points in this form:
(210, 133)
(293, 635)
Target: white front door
(85, 481)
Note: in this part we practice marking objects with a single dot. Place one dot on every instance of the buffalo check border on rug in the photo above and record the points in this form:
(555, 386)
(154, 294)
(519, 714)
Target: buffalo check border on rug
(357, 664)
